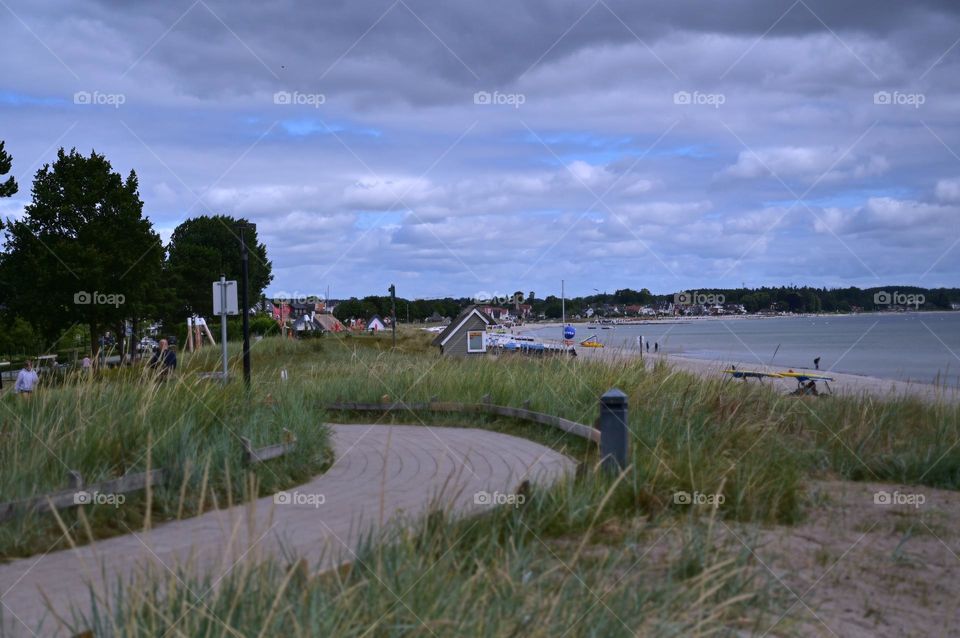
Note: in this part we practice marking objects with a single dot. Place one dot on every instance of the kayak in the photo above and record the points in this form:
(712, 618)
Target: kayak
(591, 342)
(806, 376)
(752, 374)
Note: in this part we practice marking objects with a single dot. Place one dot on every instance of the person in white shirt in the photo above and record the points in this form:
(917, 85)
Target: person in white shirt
(86, 364)
(27, 379)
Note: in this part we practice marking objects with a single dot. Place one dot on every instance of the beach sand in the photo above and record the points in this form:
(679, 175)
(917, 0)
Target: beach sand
(844, 384)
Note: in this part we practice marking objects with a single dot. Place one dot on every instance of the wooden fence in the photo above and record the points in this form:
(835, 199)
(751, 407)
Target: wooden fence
(78, 493)
(486, 406)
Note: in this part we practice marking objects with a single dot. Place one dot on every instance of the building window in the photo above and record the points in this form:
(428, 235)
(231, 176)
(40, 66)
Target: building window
(475, 341)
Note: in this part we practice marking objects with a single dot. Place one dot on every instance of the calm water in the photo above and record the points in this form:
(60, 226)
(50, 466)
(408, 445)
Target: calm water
(904, 346)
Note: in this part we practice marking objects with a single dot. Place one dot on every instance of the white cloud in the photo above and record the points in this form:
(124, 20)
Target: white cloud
(948, 190)
(804, 162)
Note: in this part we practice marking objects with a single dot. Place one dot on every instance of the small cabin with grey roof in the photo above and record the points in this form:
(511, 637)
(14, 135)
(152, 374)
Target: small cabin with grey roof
(466, 335)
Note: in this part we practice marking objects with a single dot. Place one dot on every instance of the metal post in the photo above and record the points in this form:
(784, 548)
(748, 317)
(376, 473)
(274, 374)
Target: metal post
(223, 323)
(563, 308)
(393, 312)
(613, 430)
(244, 305)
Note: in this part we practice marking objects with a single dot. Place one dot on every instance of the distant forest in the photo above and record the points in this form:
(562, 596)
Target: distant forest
(775, 299)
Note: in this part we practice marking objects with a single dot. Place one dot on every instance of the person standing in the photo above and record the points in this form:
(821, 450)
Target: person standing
(27, 379)
(816, 363)
(164, 359)
(86, 365)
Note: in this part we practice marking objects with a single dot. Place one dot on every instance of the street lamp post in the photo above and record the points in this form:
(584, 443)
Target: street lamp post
(393, 312)
(244, 299)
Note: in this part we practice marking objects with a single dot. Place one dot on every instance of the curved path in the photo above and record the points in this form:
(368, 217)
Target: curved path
(381, 471)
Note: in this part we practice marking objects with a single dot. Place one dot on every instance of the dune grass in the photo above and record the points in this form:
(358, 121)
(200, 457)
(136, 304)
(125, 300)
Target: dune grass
(588, 555)
(556, 566)
(124, 421)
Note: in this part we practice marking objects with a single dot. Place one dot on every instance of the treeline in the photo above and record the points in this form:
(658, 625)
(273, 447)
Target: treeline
(794, 299)
(797, 299)
(413, 310)
(84, 260)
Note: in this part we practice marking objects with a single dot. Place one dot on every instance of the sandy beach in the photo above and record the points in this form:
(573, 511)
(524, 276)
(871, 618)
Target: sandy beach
(844, 384)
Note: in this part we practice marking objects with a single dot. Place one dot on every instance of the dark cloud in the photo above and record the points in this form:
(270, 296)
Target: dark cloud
(659, 144)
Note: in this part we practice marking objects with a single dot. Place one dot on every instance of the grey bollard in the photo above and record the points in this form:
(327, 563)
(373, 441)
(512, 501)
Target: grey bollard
(613, 430)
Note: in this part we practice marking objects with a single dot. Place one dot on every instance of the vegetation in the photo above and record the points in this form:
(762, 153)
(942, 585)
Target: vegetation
(125, 421)
(587, 555)
(83, 252)
(8, 187)
(203, 248)
(506, 573)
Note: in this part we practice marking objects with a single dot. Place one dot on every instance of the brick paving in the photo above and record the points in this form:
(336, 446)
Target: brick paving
(381, 472)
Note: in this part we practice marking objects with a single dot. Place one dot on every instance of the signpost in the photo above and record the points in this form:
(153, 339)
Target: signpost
(224, 303)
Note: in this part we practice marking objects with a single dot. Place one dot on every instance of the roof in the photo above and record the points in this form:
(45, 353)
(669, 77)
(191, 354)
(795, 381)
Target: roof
(457, 323)
(329, 322)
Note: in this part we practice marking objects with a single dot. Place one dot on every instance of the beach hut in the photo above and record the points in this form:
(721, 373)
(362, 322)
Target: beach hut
(466, 335)
(376, 324)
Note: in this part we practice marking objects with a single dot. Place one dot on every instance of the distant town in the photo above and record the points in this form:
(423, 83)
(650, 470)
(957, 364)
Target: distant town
(307, 312)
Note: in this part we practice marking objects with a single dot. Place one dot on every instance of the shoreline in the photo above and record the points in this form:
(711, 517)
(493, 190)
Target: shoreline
(666, 321)
(845, 383)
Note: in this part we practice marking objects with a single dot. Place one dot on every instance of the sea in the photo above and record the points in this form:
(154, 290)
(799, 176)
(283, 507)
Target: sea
(920, 347)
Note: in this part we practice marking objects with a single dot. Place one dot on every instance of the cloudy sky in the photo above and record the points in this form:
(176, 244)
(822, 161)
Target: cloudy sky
(467, 147)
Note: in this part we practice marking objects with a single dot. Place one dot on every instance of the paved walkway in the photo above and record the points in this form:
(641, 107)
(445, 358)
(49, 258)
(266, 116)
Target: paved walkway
(381, 471)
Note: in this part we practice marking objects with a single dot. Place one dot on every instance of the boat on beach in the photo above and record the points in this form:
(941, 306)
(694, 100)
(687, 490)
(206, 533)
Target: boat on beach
(591, 342)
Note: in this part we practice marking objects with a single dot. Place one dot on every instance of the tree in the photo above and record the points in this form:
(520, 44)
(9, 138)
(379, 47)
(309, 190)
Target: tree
(9, 187)
(200, 250)
(83, 252)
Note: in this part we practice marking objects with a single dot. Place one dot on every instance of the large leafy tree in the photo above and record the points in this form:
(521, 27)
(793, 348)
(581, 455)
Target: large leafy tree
(200, 250)
(83, 253)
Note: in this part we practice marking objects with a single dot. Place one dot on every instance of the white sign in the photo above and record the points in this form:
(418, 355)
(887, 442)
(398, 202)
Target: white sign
(232, 308)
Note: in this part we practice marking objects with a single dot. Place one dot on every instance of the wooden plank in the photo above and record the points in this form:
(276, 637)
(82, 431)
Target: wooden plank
(67, 498)
(251, 455)
(571, 427)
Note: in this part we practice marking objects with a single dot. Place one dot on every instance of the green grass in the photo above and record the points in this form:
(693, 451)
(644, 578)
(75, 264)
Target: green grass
(552, 567)
(125, 422)
(535, 570)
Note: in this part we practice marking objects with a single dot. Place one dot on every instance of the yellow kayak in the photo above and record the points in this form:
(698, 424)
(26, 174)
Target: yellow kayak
(591, 342)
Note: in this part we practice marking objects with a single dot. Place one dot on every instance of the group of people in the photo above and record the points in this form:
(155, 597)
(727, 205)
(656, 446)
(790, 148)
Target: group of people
(163, 360)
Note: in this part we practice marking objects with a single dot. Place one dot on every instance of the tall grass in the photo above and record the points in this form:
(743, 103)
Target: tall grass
(505, 573)
(687, 433)
(124, 421)
(595, 555)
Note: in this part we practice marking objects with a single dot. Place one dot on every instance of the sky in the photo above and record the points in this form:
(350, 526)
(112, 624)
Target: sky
(478, 148)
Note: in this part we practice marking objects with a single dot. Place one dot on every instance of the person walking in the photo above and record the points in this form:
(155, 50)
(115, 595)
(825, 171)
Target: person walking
(27, 380)
(656, 346)
(816, 363)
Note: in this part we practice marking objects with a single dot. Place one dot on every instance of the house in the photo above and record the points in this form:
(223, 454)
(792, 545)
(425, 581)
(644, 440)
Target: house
(375, 324)
(495, 312)
(466, 335)
(524, 310)
(305, 323)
